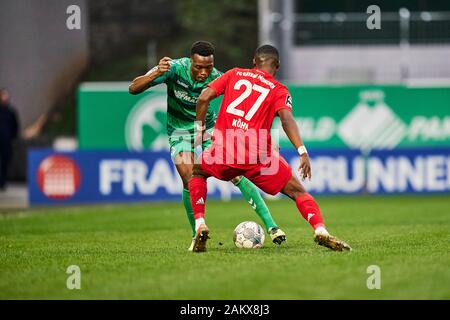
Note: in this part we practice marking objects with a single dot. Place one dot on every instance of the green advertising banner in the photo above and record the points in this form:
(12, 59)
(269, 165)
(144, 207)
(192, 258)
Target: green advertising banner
(358, 117)
(110, 118)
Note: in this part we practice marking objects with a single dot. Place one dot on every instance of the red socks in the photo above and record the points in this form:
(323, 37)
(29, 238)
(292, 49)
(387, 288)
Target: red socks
(309, 210)
(305, 203)
(197, 190)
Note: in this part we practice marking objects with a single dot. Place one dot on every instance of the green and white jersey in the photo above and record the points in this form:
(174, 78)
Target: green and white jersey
(182, 96)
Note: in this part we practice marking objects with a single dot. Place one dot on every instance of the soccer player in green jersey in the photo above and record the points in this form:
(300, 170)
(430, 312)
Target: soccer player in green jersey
(185, 79)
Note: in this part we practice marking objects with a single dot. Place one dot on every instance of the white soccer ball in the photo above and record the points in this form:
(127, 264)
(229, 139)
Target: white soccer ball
(249, 234)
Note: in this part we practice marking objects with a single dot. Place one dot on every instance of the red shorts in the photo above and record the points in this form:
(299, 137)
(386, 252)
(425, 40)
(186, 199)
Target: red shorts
(270, 178)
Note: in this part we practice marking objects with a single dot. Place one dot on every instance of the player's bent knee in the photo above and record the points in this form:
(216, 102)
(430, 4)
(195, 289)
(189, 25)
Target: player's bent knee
(293, 189)
(197, 171)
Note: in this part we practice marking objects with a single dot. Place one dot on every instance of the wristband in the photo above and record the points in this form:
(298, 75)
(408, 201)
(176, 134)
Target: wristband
(302, 150)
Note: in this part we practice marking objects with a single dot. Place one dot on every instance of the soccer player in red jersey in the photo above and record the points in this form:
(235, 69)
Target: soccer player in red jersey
(242, 143)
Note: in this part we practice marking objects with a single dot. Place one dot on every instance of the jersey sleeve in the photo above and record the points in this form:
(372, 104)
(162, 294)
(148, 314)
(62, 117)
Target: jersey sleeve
(220, 84)
(283, 100)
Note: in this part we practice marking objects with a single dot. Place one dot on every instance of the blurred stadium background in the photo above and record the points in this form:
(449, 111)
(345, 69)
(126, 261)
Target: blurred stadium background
(373, 107)
(383, 94)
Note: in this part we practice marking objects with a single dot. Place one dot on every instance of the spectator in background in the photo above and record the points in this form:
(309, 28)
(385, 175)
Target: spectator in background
(9, 128)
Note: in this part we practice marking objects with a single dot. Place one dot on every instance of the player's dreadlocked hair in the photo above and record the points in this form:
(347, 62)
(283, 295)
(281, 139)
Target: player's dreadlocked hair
(267, 54)
(202, 48)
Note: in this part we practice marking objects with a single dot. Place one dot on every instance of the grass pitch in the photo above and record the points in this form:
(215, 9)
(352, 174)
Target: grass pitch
(140, 252)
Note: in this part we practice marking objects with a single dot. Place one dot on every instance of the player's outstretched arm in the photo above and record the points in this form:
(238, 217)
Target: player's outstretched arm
(293, 133)
(203, 101)
(142, 83)
(201, 109)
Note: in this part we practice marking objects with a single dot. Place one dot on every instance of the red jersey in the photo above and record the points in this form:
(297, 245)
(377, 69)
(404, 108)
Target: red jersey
(252, 98)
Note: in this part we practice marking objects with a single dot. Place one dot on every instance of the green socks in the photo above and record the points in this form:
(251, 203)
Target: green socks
(189, 212)
(252, 195)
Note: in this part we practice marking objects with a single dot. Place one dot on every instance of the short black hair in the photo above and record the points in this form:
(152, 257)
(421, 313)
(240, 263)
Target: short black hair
(202, 48)
(267, 52)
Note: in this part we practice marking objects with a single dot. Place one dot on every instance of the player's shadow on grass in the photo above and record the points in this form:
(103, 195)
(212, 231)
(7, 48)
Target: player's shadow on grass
(266, 249)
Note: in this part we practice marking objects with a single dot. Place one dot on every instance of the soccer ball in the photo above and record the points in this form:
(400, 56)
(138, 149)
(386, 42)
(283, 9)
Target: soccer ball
(249, 234)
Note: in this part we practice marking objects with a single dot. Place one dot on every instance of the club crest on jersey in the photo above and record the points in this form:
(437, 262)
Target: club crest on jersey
(289, 101)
